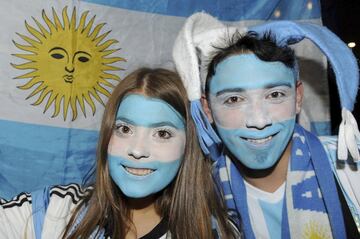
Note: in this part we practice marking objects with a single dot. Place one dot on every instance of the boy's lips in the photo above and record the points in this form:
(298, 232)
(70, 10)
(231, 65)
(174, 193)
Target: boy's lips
(259, 141)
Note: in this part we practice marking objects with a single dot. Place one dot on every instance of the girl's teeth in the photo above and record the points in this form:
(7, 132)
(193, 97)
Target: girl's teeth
(260, 141)
(139, 171)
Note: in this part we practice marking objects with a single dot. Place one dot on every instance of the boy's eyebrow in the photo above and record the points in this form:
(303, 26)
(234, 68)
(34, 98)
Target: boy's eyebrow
(272, 85)
(221, 92)
(266, 86)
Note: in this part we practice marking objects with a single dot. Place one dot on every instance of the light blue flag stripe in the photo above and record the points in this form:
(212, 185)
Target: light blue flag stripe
(229, 10)
(36, 155)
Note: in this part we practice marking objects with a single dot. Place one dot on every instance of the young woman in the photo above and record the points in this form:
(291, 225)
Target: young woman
(152, 180)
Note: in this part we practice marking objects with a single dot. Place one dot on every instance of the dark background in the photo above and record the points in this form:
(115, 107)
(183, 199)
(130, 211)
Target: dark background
(343, 18)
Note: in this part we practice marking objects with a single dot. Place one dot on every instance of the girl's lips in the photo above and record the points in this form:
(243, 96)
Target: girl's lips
(139, 171)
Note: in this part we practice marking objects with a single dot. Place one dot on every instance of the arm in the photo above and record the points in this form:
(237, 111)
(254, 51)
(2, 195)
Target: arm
(347, 174)
(16, 217)
(42, 214)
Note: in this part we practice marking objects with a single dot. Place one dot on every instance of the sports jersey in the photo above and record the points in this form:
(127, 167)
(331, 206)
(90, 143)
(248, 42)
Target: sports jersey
(265, 211)
(19, 217)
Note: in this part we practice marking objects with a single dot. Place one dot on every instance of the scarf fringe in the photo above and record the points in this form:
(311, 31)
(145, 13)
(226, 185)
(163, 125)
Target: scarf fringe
(206, 134)
(348, 137)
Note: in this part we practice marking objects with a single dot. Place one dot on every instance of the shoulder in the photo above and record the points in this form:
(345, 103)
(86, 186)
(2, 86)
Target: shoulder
(16, 217)
(72, 192)
(235, 231)
(55, 204)
(330, 144)
(329, 141)
(53, 199)
(17, 201)
(63, 200)
(347, 174)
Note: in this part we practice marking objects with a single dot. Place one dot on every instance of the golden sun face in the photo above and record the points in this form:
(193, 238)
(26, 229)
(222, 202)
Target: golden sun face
(68, 62)
(314, 231)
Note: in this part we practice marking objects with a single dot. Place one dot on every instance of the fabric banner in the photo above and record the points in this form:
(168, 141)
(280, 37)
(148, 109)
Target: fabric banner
(59, 61)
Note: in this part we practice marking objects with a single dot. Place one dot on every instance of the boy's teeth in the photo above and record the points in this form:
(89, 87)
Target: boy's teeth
(260, 141)
(139, 171)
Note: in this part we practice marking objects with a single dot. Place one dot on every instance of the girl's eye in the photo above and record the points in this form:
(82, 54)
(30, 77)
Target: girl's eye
(233, 99)
(276, 95)
(123, 129)
(163, 134)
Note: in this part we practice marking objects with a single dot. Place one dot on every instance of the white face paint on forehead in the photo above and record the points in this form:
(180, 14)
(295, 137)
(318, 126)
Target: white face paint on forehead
(147, 146)
(247, 71)
(253, 104)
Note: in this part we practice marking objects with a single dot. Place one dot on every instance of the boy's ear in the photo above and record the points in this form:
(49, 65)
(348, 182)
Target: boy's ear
(206, 108)
(299, 95)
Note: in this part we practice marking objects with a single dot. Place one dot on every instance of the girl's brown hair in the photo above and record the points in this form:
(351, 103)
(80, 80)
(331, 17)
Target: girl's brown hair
(188, 203)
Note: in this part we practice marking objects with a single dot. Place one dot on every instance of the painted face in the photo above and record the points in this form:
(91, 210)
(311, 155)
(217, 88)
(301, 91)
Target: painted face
(146, 148)
(253, 104)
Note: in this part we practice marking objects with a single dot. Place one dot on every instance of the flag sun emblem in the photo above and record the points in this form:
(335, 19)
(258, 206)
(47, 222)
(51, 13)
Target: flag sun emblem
(67, 63)
(314, 231)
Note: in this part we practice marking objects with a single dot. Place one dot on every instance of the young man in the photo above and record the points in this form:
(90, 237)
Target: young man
(252, 98)
(278, 178)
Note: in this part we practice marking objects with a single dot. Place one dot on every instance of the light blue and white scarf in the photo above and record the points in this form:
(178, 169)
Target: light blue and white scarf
(311, 198)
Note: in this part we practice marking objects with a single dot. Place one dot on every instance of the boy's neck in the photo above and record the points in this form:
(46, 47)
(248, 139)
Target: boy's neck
(268, 180)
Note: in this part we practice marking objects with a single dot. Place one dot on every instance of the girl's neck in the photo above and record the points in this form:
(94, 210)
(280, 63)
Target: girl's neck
(143, 215)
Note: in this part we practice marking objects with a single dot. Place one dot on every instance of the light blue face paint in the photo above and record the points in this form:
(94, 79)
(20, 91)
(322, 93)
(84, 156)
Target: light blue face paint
(135, 186)
(142, 161)
(246, 71)
(253, 106)
(148, 112)
(255, 155)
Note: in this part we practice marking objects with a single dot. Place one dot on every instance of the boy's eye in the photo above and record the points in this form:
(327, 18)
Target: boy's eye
(276, 94)
(233, 99)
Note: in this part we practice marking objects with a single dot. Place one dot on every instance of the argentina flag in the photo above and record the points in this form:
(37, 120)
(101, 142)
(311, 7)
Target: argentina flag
(59, 61)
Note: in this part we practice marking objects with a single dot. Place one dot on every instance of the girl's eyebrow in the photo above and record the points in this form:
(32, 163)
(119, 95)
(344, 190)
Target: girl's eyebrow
(163, 123)
(126, 120)
(151, 125)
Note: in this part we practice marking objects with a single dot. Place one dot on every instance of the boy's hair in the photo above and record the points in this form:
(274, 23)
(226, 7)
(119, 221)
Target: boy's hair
(264, 47)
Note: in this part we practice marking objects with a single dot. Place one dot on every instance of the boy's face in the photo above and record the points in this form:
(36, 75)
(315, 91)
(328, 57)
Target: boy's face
(254, 105)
